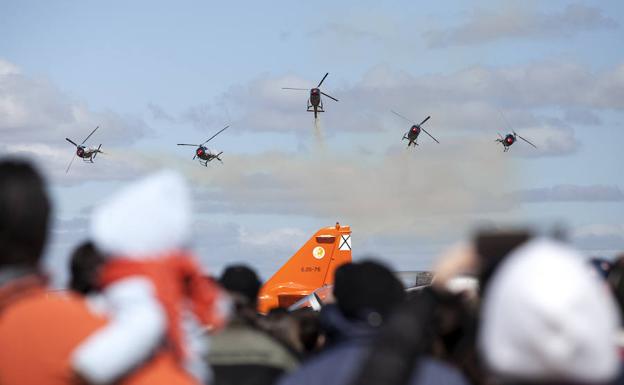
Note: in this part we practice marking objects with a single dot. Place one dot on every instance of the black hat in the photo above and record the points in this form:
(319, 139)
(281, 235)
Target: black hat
(242, 280)
(366, 287)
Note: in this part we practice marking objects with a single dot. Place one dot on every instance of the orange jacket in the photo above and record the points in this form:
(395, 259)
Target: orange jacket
(178, 280)
(39, 330)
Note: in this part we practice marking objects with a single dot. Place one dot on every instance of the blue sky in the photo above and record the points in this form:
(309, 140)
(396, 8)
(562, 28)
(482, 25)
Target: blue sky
(154, 73)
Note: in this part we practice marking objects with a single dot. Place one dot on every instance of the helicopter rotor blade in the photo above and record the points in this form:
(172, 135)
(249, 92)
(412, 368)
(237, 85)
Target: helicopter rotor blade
(329, 96)
(423, 122)
(71, 141)
(504, 119)
(322, 80)
(298, 89)
(402, 117)
(209, 139)
(87, 138)
(526, 140)
(70, 163)
(186, 144)
(425, 131)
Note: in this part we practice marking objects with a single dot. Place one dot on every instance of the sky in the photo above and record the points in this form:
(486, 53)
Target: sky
(152, 74)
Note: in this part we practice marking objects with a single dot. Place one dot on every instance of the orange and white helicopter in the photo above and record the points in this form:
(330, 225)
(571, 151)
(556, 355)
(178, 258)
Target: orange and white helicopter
(86, 153)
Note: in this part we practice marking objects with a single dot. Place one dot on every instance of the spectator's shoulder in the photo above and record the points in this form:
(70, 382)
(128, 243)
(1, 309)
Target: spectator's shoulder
(435, 371)
(249, 345)
(334, 365)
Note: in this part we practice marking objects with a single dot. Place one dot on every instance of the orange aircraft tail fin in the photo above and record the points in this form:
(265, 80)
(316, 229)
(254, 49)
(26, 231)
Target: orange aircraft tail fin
(308, 269)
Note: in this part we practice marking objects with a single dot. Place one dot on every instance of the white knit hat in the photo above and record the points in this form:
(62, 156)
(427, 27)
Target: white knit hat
(145, 219)
(546, 318)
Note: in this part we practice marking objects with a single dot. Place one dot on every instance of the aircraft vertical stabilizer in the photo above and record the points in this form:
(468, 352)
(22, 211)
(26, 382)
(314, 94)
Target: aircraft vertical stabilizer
(308, 269)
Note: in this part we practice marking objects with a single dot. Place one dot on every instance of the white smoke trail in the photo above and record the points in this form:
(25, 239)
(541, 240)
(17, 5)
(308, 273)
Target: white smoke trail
(318, 133)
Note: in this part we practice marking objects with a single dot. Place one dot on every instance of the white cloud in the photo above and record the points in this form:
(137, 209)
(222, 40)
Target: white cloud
(572, 193)
(520, 21)
(36, 117)
(7, 68)
(469, 100)
(600, 239)
(34, 110)
(280, 236)
(112, 165)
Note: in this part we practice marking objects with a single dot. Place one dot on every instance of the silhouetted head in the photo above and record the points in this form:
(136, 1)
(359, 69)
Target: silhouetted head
(545, 318)
(600, 267)
(616, 283)
(367, 291)
(148, 218)
(84, 267)
(242, 282)
(24, 214)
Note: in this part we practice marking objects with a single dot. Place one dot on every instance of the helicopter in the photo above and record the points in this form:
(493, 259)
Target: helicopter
(315, 104)
(414, 131)
(203, 153)
(510, 139)
(87, 154)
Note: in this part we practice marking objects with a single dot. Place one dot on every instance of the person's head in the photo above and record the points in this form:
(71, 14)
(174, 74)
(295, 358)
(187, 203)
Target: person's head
(283, 325)
(147, 218)
(310, 333)
(84, 266)
(24, 214)
(242, 283)
(600, 267)
(367, 291)
(546, 318)
(615, 279)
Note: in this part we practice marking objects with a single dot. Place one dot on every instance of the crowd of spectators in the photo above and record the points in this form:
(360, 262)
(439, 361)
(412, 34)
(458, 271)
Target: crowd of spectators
(506, 308)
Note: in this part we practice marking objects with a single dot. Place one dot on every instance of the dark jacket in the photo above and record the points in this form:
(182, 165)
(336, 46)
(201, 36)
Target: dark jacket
(245, 354)
(339, 363)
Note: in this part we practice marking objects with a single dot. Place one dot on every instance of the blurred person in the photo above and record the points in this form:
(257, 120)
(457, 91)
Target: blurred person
(600, 267)
(155, 293)
(311, 337)
(547, 320)
(401, 352)
(244, 353)
(39, 329)
(366, 293)
(84, 266)
(615, 280)
(283, 325)
(452, 321)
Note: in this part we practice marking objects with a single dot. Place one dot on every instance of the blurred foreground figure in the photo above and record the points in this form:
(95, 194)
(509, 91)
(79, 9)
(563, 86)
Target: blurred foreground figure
(243, 353)
(149, 283)
(84, 266)
(615, 280)
(546, 319)
(36, 333)
(39, 330)
(366, 294)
